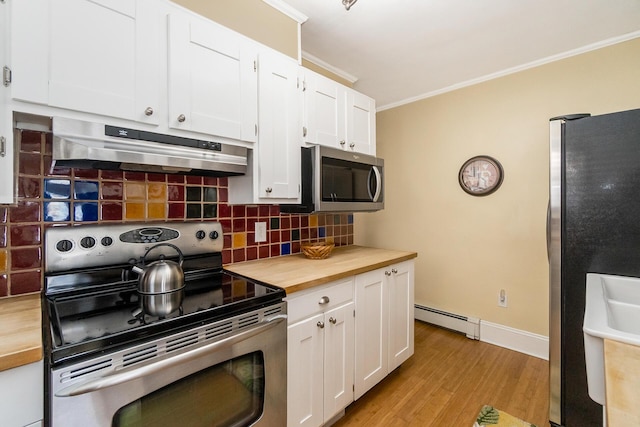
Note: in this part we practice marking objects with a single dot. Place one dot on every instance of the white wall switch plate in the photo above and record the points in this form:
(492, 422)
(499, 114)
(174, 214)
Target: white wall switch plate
(261, 232)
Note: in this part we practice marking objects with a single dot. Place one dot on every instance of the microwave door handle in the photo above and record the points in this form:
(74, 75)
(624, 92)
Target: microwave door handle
(374, 171)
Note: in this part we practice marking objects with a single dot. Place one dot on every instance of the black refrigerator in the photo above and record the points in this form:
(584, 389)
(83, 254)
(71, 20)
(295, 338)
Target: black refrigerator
(593, 226)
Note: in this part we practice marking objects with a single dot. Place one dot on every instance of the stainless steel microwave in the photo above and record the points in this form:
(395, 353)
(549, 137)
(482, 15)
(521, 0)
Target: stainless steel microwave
(334, 180)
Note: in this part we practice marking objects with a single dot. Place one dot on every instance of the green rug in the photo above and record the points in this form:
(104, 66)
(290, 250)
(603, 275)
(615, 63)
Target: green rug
(490, 416)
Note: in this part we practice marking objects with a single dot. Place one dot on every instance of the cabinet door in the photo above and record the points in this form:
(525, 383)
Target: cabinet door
(371, 330)
(401, 323)
(361, 123)
(305, 373)
(325, 119)
(279, 128)
(212, 79)
(6, 127)
(338, 359)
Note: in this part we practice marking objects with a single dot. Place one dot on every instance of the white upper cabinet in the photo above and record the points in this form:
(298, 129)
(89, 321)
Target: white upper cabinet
(98, 56)
(337, 116)
(212, 79)
(6, 131)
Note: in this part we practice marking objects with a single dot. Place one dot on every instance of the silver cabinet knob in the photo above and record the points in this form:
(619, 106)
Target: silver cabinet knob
(324, 300)
(394, 270)
(352, 145)
(182, 118)
(148, 111)
(320, 324)
(387, 273)
(342, 143)
(332, 320)
(269, 190)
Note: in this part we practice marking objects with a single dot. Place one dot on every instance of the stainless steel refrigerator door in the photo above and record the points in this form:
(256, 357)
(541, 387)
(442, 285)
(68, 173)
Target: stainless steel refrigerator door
(554, 252)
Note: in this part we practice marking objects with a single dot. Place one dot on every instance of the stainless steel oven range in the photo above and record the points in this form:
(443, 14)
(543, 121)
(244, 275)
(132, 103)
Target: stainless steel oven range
(116, 356)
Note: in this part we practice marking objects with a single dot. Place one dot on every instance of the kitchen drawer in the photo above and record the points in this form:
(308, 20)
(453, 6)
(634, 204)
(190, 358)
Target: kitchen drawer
(310, 302)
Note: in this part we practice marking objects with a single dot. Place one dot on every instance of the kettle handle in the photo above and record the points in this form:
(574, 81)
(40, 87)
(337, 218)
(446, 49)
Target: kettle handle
(177, 249)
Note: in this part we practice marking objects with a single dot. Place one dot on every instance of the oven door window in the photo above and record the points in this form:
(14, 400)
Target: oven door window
(228, 394)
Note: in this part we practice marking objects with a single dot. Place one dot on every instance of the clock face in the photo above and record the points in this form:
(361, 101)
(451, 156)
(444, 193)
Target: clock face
(480, 176)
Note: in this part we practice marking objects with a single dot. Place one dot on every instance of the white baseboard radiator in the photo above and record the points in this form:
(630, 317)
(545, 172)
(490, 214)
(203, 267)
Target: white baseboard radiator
(470, 326)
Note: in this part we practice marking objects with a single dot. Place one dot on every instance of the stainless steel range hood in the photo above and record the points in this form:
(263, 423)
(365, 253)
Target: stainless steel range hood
(90, 145)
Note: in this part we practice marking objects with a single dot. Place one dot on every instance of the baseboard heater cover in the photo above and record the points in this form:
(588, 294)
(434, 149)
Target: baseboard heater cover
(470, 326)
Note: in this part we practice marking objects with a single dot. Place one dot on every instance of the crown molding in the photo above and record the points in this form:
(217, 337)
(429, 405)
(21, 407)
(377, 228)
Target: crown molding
(285, 8)
(337, 71)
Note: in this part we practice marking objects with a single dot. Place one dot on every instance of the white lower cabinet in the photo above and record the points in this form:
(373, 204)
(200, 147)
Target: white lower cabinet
(384, 301)
(22, 396)
(320, 354)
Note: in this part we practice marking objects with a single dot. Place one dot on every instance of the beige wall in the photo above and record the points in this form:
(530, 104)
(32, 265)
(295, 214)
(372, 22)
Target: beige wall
(470, 247)
(253, 18)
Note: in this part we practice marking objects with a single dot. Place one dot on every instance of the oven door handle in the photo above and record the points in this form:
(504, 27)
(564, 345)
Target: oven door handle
(129, 375)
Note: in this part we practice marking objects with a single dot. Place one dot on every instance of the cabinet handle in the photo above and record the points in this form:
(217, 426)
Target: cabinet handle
(269, 190)
(394, 270)
(342, 143)
(181, 118)
(304, 131)
(352, 145)
(332, 320)
(320, 324)
(387, 273)
(324, 300)
(148, 111)
(3, 146)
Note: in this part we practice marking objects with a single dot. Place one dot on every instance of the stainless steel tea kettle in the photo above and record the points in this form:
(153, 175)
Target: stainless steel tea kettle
(161, 283)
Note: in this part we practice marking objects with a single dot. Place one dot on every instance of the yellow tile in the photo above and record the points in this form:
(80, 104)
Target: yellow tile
(135, 191)
(239, 288)
(313, 220)
(156, 211)
(3, 260)
(329, 239)
(134, 211)
(239, 240)
(157, 192)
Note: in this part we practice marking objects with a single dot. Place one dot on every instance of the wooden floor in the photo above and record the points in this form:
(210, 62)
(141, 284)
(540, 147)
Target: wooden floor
(448, 379)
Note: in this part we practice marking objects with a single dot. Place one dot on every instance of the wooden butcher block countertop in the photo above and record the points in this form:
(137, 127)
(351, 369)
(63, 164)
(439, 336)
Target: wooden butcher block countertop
(296, 272)
(20, 331)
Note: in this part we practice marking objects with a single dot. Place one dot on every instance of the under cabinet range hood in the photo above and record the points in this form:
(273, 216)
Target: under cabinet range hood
(89, 145)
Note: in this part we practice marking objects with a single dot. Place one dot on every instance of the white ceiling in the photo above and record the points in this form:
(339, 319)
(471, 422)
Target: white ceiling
(403, 50)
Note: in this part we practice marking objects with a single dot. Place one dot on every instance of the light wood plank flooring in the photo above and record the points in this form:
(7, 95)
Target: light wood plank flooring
(448, 379)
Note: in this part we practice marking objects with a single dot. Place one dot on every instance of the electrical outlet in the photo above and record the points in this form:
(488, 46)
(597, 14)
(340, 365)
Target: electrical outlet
(261, 232)
(502, 298)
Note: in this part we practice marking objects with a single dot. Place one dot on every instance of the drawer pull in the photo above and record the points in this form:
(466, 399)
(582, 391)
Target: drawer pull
(324, 300)
(332, 320)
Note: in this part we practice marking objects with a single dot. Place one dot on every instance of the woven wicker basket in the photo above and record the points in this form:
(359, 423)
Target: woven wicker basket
(317, 250)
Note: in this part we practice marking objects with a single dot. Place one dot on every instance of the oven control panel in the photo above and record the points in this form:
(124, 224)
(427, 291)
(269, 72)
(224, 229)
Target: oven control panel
(69, 248)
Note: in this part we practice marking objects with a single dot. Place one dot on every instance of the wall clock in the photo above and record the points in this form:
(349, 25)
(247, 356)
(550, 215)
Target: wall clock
(481, 175)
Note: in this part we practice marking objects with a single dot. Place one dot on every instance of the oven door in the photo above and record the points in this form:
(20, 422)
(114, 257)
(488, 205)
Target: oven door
(235, 379)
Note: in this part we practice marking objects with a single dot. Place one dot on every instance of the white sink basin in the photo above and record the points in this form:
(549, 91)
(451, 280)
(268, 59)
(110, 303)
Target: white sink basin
(612, 311)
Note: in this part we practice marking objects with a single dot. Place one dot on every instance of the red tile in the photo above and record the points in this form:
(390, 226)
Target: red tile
(58, 171)
(238, 255)
(197, 180)
(176, 210)
(227, 241)
(29, 188)
(295, 221)
(295, 247)
(350, 240)
(86, 173)
(156, 177)
(285, 236)
(111, 211)
(313, 232)
(251, 239)
(111, 190)
(274, 236)
(48, 143)
(210, 180)
(175, 179)
(26, 212)
(4, 285)
(274, 210)
(175, 193)
(25, 235)
(115, 175)
(223, 195)
(29, 164)
(239, 225)
(263, 210)
(251, 224)
(226, 256)
(285, 222)
(30, 142)
(275, 250)
(252, 211)
(134, 176)
(22, 259)
(304, 234)
(239, 211)
(4, 212)
(223, 182)
(25, 282)
(224, 210)
(252, 253)
(304, 221)
(226, 226)
(3, 236)
(263, 252)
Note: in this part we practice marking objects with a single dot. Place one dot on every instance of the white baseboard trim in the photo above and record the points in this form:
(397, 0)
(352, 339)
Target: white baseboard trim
(470, 326)
(515, 339)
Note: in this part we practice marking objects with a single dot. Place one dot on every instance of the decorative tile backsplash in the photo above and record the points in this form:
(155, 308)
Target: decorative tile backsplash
(68, 197)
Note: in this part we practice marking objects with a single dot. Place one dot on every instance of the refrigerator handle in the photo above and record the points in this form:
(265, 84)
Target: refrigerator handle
(549, 230)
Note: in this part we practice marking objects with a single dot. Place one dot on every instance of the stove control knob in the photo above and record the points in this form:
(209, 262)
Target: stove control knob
(64, 245)
(87, 242)
(214, 235)
(106, 241)
(200, 234)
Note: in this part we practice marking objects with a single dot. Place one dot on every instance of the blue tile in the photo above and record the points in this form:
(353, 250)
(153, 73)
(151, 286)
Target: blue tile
(321, 232)
(85, 211)
(86, 190)
(350, 219)
(57, 189)
(56, 211)
(285, 249)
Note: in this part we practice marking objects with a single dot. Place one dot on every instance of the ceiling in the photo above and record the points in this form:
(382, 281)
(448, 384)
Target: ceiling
(403, 50)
